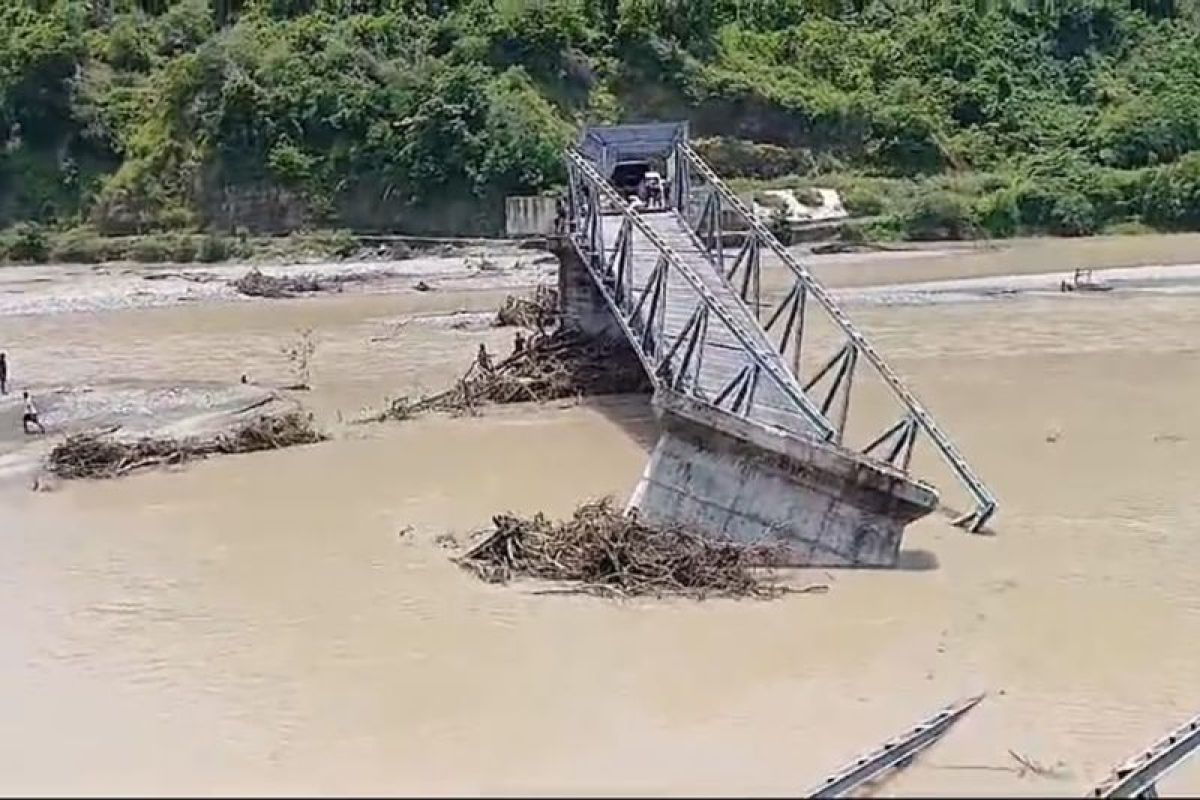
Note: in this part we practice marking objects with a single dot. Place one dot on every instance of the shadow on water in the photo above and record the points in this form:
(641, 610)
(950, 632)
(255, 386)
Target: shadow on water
(917, 561)
(632, 414)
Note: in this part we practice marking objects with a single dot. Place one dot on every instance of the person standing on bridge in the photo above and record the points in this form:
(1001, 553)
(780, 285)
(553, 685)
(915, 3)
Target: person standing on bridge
(654, 193)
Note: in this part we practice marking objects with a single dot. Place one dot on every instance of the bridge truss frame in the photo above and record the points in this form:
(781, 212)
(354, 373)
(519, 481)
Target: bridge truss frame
(834, 380)
(823, 399)
(676, 361)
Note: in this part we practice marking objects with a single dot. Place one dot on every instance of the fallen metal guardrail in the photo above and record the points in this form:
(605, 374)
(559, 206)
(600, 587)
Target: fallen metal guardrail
(894, 753)
(1139, 776)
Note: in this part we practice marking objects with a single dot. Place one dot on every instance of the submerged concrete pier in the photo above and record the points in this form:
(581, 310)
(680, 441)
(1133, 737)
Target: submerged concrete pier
(736, 479)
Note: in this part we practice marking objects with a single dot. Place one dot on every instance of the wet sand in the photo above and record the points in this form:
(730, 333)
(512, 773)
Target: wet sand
(259, 624)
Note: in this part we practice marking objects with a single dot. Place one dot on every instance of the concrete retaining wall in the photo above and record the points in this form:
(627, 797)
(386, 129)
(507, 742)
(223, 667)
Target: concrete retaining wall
(529, 216)
(730, 478)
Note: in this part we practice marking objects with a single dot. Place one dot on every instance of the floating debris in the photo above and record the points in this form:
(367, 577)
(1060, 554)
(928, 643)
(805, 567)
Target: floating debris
(543, 367)
(98, 455)
(604, 551)
(538, 312)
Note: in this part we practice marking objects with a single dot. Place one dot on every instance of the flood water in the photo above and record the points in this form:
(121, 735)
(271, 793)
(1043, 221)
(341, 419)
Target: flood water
(286, 622)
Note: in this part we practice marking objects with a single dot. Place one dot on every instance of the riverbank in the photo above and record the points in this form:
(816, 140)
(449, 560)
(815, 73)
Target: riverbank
(33, 244)
(85, 247)
(961, 271)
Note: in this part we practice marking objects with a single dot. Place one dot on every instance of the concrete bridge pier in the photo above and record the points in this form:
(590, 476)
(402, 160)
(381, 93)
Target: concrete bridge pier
(731, 478)
(583, 306)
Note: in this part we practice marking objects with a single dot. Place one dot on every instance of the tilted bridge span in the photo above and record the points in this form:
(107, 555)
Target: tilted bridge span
(756, 369)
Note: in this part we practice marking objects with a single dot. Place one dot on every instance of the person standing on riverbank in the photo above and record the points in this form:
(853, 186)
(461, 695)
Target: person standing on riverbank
(30, 417)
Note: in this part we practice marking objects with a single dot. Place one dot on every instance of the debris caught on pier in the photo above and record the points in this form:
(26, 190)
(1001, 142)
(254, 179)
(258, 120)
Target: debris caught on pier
(550, 366)
(604, 551)
(98, 455)
(538, 312)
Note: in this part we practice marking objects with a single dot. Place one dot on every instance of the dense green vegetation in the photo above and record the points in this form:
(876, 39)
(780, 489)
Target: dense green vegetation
(947, 118)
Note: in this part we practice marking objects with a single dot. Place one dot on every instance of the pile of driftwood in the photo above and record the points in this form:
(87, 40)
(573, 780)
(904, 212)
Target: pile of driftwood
(604, 551)
(538, 312)
(256, 283)
(92, 455)
(548, 366)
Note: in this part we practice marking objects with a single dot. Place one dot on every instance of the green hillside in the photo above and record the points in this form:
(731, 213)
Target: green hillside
(946, 119)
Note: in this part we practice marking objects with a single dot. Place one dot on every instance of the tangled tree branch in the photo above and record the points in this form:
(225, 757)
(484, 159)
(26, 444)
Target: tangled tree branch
(92, 455)
(604, 551)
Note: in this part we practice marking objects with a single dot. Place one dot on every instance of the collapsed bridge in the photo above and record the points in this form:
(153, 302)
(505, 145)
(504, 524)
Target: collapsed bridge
(754, 365)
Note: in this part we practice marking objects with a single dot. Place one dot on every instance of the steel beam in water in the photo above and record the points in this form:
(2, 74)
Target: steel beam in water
(1139, 776)
(894, 753)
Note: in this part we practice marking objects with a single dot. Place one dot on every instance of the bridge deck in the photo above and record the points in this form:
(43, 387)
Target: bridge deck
(724, 357)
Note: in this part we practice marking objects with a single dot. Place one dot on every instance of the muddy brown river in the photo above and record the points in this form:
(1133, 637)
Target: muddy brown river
(286, 623)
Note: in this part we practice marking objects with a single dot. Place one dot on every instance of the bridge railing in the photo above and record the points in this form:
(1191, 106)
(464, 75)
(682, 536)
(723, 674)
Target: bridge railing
(709, 207)
(672, 358)
(1139, 776)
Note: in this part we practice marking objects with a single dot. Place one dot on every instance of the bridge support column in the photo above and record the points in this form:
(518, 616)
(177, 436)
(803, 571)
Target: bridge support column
(583, 307)
(724, 476)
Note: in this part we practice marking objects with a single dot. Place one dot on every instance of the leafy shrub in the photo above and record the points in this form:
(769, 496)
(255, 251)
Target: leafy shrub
(164, 248)
(1129, 228)
(736, 158)
(937, 215)
(864, 201)
(341, 243)
(82, 245)
(213, 248)
(28, 242)
(1057, 208)
(1172, 198)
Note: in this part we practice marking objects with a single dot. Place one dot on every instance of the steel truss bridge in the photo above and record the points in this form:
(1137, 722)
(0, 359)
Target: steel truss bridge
(744, 327)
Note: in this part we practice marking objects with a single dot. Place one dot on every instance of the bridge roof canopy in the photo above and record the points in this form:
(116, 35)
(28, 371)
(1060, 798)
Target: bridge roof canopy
(609, 144)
